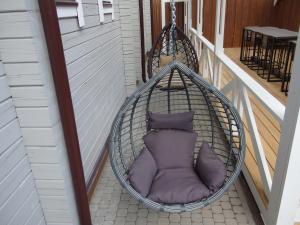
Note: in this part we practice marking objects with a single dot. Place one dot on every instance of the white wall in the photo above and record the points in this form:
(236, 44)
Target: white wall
(19, 200)
(130, 27)
(26, 63)
(95, 67)
(147, 25)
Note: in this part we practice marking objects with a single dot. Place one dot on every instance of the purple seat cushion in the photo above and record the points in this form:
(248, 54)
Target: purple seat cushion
(210, 168)
(171, 148)
(142, 172)
(180, 121)
(177, 186)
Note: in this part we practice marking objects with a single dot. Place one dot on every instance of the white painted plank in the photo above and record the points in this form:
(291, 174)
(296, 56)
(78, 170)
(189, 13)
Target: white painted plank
(15, 25)
(1, 68)
(90, 9)
(15, 177)
(10, 158)
(79, 50)
(8, 5)
(46, 171)
(43, 154)
(29, 96)
(34, 117)
(93, 67)
(7, 112)
(57, 215)
(18, 50)
(50, 187)
(23, 74)
(16, 69)
(26, 209)
(4, 90)
(35, 217)
(9, 134)
(38, 137)
(54, 202)
(8, 209)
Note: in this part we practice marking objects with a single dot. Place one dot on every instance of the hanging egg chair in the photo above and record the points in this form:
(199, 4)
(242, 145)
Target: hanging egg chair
(215, 121)
(177, 144)
(162, 53)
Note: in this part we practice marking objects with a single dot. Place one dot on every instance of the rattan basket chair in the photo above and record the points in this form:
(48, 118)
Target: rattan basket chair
(215, 121)
(161, 53)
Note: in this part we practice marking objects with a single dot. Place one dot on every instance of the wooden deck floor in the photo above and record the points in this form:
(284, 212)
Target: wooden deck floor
(268, 126)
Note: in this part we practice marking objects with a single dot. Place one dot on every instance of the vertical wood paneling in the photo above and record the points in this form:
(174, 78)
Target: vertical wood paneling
(239, 13)
(179, 14)
(286, 14)
(156, 19)
(209, 14)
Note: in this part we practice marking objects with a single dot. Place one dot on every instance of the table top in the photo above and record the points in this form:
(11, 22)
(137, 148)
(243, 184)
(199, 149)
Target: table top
(273, 32)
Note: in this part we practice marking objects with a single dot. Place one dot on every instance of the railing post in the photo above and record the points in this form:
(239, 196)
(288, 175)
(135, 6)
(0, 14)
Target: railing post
(163, 13)
(199, 23)
(219, 40)
(199, 17)
(190, 19)
(285, 195)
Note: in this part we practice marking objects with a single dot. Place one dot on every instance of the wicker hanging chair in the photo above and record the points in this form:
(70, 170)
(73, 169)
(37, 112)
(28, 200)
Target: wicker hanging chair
(215, 121)
(161, 53)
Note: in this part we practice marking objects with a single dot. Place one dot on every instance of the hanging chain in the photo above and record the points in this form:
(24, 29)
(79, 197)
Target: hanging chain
(173, 27)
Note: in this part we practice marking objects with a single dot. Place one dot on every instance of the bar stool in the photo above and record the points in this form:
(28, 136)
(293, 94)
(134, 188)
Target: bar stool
(288, 67)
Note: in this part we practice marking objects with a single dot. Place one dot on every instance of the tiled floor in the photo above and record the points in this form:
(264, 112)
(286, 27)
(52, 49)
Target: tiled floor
(110, 205)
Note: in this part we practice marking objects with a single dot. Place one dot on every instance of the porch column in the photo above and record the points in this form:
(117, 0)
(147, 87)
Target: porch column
(285, 195)
(190, 20)
(199, 17)
(219, 40)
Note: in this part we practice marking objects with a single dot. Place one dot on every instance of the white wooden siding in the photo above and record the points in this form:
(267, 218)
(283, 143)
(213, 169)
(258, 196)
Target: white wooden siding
(129, 18)
(95, 66)
(25, 59)
(131, 40)
(19, 197)
(147, 25)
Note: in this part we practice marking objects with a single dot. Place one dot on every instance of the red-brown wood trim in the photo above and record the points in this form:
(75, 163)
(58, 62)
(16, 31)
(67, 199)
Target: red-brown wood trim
(142, 34)
(97, 170)
(61, 83)
(151, 16)
(66, 2)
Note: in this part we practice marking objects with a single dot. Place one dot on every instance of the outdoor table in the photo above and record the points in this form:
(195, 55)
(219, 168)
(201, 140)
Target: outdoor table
(276, 46)
(265, 49)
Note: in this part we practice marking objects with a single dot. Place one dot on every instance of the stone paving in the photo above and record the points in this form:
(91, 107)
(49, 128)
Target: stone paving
(110, 205)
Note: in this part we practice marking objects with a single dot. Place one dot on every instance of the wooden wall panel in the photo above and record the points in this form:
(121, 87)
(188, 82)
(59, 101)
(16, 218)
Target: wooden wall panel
(156, 19)
(209, 14)
(286, 14)
(249, 13)
(194, 13)
(179, 14)
(241, 13)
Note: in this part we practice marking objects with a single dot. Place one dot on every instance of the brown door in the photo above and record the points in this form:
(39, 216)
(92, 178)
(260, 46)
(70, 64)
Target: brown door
(156, 17)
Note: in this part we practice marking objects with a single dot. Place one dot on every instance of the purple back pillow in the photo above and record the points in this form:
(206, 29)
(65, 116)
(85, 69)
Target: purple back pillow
(180, 121)
(210, 168)
(142, 172)
(171, 148)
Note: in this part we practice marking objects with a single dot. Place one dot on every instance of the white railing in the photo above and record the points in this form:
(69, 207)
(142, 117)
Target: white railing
(241, 86)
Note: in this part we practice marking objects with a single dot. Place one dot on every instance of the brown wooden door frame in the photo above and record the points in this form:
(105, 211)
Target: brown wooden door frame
(61, 82)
